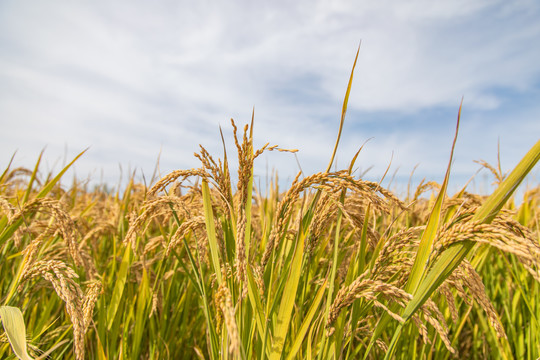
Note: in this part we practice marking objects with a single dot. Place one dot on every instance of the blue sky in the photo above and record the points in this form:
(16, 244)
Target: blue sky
(133, 79)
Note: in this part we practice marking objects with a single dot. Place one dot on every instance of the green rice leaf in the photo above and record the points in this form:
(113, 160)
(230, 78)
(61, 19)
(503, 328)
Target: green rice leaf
(428, 236)
(8, 231)
(425, 247)
(32, 178)
(343, 111)
(287, 301)
(143, 299)
(120, 279)
(211, 230)
(48, 187)
(258, 310)
(46, 354)
(454, 255)
(6, 170)
(307, 323)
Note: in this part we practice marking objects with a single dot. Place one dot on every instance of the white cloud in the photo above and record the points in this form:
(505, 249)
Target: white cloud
(131, 78)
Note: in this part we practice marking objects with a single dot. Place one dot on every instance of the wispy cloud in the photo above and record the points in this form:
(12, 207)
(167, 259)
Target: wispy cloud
(132, 78)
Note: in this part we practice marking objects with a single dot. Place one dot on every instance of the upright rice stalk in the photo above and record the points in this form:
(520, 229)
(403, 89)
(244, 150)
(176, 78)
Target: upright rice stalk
(447, 262)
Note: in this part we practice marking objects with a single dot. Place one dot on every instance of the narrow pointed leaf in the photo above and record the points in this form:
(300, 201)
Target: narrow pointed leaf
(48, 187)
(425, 246)
(32, 179)
(307, 323)
(257, 306)
(343, 112)
(211, 230)
(120, 278)
(287, 302)
(428, 236)
(454, 255)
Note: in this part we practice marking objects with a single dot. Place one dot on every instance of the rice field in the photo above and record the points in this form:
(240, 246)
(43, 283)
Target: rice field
(198, 265)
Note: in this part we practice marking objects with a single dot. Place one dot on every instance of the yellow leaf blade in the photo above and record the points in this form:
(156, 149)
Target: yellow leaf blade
(13, 322)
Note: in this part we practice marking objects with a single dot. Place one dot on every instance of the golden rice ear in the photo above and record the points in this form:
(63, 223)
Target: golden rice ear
(13, 323)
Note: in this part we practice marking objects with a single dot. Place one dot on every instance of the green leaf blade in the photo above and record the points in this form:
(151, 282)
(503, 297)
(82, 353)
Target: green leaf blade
(121, 278)
(287, 302)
